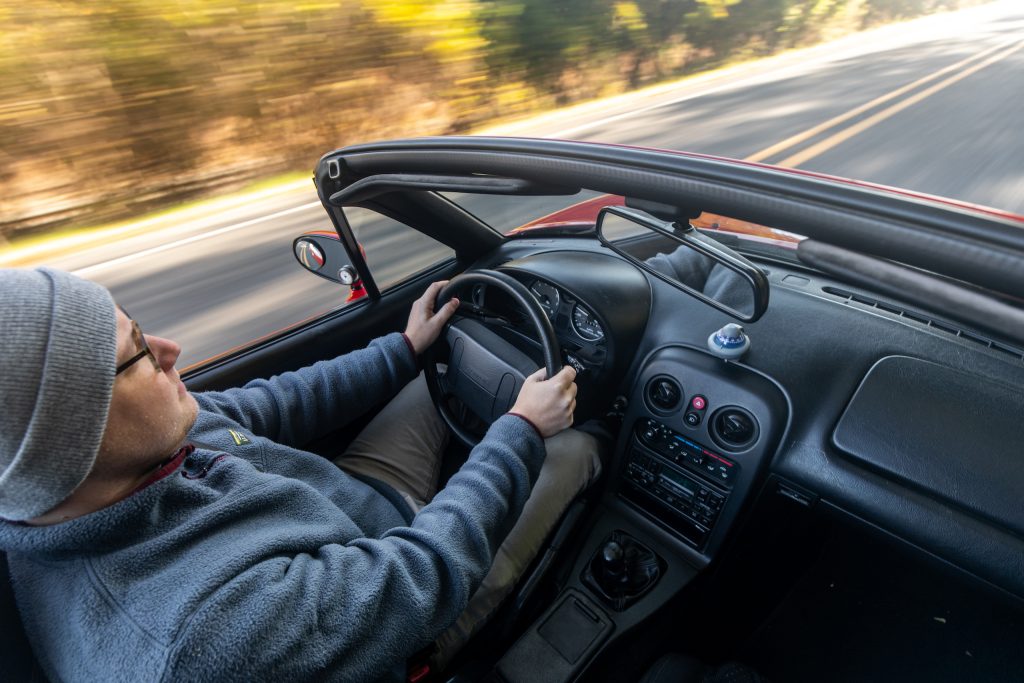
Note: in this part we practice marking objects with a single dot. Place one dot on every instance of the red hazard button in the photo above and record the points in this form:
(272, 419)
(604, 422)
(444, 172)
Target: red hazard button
(699, 403)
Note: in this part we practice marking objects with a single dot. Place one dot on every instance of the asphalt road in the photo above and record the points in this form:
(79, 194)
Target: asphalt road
(933, 106)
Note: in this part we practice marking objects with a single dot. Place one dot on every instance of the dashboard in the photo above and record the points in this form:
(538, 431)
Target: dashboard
(823, 403)
(697, 433)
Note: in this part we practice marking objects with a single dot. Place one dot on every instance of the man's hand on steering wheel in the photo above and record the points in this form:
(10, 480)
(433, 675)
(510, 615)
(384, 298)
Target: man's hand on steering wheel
(548, 403)
(485, 371)
(424, 324)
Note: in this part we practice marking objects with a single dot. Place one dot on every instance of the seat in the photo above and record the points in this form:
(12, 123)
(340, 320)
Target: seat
(17, 663)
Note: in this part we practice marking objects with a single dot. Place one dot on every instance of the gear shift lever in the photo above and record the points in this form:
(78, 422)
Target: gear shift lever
(622, 570)
(613, 557)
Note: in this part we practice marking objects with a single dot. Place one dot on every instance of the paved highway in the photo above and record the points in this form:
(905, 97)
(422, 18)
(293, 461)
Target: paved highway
(932, 106)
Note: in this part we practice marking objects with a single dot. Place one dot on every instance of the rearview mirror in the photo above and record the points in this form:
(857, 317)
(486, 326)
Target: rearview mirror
(686, 259)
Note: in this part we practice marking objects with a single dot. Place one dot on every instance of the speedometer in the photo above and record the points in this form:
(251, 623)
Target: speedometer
(547, 296)
(586, 325)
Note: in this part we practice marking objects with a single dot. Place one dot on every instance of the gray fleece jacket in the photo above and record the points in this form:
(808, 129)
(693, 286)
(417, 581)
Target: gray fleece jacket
(254, 560)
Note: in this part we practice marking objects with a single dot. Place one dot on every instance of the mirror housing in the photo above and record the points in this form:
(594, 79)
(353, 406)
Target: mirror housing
(323, 254)
(742, 288)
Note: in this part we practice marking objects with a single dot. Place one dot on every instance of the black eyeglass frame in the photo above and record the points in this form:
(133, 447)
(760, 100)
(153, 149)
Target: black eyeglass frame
(143, 346)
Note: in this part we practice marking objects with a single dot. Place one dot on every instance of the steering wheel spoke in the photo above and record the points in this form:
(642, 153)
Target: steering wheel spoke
(483, 314)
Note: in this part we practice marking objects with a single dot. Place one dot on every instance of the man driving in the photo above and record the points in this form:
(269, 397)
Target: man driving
(153, 534)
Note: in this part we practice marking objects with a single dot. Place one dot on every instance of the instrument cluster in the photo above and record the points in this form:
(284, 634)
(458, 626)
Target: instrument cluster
(563, 308)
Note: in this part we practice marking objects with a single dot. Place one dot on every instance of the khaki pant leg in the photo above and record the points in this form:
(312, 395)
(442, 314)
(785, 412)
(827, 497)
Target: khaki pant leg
(573, 462)
(402, 446)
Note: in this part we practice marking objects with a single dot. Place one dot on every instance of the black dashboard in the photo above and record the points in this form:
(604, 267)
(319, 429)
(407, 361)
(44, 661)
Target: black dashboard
(859, 405)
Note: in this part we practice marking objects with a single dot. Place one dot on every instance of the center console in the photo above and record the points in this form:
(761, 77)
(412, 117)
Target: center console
(698, 433)
(690, 481)
(696, 437)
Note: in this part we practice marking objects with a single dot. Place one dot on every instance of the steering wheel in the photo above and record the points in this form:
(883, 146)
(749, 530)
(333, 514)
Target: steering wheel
(485, 371)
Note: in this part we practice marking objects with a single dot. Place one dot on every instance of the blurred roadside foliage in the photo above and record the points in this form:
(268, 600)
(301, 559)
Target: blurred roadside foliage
(109, 108)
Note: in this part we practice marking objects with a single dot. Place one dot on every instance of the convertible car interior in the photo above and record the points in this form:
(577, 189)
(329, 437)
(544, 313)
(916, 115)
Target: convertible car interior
(813, 390)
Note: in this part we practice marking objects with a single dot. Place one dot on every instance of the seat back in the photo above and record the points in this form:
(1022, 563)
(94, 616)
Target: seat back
(17, 663)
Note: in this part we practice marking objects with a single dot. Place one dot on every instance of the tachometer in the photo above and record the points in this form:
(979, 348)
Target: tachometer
(547, 296)
(586, 325)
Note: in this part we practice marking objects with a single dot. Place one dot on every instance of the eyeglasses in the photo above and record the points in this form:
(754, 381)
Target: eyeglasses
(141, 344)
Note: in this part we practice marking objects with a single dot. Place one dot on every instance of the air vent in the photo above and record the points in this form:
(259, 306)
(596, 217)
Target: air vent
(733, 428)
(663, 394)
(925, 320)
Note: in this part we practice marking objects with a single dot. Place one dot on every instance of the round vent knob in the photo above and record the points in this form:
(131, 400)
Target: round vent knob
(664, 393)
(734, 428)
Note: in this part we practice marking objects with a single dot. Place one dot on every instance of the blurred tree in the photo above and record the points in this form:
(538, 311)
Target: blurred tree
(111, 107)
(538, 40)
(709, 27)
(665, 22)
(158, 90)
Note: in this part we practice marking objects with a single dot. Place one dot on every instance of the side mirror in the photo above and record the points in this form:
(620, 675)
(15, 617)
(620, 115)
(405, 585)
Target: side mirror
(323, 254)
(686, 259)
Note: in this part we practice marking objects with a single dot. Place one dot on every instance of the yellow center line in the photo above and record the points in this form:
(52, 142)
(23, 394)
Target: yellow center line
(842, 118)
(844, 135)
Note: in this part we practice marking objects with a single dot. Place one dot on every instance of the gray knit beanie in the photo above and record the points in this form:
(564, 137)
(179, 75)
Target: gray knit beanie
(58, 351)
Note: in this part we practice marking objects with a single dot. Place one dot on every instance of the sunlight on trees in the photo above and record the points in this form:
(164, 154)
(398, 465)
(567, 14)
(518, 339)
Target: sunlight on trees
(113, 107)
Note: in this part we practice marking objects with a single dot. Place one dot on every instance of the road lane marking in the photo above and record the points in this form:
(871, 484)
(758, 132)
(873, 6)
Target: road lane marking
(842, 136)
(842, 118)
(85, 272)
(748, 74)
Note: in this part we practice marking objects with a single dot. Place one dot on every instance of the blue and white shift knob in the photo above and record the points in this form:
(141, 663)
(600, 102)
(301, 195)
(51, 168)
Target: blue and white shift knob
(730, 342)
